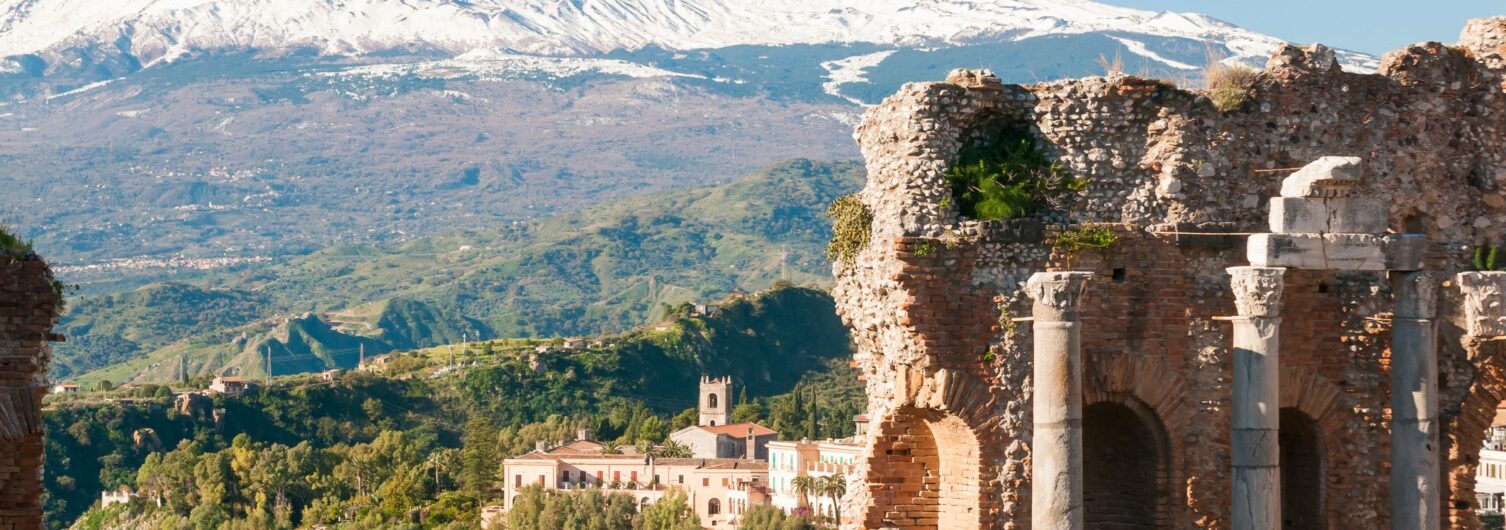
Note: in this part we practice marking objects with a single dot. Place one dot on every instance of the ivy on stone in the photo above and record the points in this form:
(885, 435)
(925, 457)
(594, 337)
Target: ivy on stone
(852, 224)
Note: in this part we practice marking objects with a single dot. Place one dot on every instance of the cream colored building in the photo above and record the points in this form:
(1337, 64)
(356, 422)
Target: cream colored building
(789, 460)
(719, 489)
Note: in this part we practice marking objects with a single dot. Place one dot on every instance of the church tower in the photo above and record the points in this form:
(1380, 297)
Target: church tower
(716, 401)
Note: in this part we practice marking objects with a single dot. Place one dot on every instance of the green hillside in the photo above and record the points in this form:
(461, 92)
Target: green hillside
(784, 348)
(600, 270)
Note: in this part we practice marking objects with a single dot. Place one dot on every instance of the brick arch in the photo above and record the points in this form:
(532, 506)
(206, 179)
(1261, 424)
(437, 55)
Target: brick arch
(1464, 435)
(929, 461)
(1156, 396)
(1305, 391)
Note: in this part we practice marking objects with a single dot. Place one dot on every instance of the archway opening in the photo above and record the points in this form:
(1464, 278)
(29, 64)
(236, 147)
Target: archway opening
(931, 465)
(1124, 458)
(1303, 480)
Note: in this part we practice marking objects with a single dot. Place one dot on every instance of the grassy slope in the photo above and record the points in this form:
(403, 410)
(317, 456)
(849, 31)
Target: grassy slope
(600, 270)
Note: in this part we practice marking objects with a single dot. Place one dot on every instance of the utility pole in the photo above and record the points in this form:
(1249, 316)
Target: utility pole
(362, 363)
(266, 379)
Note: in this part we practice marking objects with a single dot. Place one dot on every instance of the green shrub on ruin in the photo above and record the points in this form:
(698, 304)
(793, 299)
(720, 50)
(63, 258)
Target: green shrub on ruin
(13, 244)
(1229, 86)
(1075, 240)
(851, 225)
(924, 249)
(1008, 177)
(1486, 258)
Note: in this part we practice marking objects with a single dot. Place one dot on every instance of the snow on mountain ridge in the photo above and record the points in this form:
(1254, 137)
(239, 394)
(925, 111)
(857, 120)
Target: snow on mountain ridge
(154, 30)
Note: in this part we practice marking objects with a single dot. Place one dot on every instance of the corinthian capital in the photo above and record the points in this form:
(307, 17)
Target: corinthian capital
(1416, 295)
(1056, 292)
(1257, 290)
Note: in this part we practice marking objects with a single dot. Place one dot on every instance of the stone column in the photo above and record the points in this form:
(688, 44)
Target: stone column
(1056, 454)
(1414, 404)
(1257, 397)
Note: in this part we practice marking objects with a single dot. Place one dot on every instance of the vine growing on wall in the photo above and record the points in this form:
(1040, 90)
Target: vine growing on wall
(851, 226)
(1072, 241)
(1008, 177)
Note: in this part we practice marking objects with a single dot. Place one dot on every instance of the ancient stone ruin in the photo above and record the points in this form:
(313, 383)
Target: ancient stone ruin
(29, 303)
(1288, 329)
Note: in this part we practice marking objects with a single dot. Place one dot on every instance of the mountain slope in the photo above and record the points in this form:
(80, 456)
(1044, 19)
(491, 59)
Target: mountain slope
(603, 269)
(152, 29)
(136, 33)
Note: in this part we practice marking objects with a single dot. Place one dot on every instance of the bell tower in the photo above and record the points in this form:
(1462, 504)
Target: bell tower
(716, 397)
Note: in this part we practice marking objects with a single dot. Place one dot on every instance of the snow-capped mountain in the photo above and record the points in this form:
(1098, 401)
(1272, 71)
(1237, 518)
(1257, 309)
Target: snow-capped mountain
(152, 31)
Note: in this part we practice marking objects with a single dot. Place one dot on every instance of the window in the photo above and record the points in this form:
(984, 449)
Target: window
(705, 482)
(633, 476)
(724, 482)
(517, 481)
(598, 477)
(710, 400)
(713, 507)
(616, 476)
(565, 476)
(656, 478)
(682, 479)
(541, 480)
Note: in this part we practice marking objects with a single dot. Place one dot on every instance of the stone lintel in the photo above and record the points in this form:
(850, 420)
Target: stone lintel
(1343, 252)
(1484, 304)
(1257, 290)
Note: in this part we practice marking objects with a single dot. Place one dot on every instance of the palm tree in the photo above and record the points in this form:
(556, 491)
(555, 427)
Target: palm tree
(834, 487)
(673, 449)
(611, 448)
(804, 486)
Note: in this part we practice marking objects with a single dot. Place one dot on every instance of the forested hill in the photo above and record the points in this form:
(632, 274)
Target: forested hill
(604, 269)
(428, 432)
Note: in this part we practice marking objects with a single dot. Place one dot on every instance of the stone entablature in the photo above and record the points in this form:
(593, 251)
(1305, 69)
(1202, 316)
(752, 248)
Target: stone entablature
(950, 384)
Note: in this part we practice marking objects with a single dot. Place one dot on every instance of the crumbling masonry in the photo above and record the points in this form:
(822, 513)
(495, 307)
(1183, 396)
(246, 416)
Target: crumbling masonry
(29, 302)
(1242, 343)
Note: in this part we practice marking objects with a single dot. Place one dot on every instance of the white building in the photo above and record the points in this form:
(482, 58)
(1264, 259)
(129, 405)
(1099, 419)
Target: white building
(713, 437)
(720, 490)
(65, 389)
(230, 386)
(1490, 475)
(789, 460)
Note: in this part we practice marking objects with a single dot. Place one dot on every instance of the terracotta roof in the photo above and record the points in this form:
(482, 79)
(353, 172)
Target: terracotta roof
(1500, 419)
(739, 430)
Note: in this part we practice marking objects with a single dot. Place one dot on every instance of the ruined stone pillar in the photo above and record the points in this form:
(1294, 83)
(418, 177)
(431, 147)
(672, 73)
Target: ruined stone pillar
(1257, 397)
(28, 310)
(1056, 454)
(1414, 404)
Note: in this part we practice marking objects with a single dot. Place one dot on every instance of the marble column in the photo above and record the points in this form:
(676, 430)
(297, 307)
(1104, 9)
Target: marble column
(1257, 397)
(1056, 454)
(1415, 496)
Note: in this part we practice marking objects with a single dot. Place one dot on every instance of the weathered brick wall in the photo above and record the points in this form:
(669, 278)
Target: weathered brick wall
(924, 298)
(28, 311)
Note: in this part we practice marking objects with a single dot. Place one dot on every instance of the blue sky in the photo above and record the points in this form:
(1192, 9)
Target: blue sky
(1370, 26)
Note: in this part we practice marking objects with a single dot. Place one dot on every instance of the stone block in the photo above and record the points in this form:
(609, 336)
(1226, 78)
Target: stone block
(1296, 215)
(1345, 215)
(1357, 215)
(1297, 251)
(1329, 176)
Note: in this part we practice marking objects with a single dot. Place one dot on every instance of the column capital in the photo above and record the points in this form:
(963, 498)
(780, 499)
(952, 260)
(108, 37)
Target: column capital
(1257, 290)
(1057, 292)
(1484, 310)
(1416, 295)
